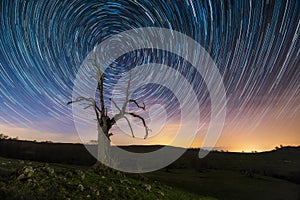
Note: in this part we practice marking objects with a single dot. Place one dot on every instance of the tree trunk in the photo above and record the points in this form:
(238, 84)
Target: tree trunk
(104, 146)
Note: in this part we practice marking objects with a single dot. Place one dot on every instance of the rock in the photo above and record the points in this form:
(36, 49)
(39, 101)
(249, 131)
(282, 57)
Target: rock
(26, 173)
(68, 174)
(21, 177)
(80, 173)
(146, 186)
(125, 181)
(161, 193)
(80, 187)
(50, 170)
(28, 170)
(82, 176)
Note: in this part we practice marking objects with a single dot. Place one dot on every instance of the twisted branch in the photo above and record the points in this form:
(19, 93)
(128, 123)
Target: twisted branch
(139, 106)
(93, 104)
(143, 120)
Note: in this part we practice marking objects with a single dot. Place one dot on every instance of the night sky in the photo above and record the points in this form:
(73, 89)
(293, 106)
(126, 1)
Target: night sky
(255, 45)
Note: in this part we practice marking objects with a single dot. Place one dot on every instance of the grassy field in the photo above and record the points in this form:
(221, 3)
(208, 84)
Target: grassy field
(228, 184)
(33, 180)
(272, 175)
(225, 175)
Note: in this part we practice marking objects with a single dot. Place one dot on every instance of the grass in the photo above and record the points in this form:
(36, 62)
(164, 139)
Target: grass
(224, 184)
(220, 175)
(33, 180)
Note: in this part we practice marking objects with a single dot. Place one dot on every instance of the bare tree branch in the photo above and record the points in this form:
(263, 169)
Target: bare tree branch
(115, 104)
(79, 99)
(88, 106)
(129, 126)
(127, 92)
(143, 120)
(100, 87)
(93, 104)
(100, 79)
(91, 100)
(139, 106)
(118, 116)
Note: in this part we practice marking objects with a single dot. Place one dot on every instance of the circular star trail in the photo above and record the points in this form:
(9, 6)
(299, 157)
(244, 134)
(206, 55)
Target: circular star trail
(255, 45)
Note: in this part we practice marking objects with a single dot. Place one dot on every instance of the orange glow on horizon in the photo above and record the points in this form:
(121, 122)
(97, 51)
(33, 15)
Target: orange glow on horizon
(266, 136)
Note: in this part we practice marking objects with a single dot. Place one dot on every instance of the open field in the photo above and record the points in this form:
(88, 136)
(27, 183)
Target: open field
(220, 175)
(228, 184)
(224, 175)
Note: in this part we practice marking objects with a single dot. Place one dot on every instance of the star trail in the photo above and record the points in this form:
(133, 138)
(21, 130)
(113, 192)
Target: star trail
(255, 45)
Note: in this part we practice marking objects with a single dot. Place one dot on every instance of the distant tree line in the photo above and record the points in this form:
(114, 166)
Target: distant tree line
(6, 137)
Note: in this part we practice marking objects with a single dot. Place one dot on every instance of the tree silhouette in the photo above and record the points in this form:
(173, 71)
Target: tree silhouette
(104, 121)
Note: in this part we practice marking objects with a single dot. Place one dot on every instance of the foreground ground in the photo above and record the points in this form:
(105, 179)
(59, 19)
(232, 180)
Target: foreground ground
(272, 175)
(33, 180)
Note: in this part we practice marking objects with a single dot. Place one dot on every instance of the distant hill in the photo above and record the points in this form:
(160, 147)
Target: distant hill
(283, 163)
(66, 153)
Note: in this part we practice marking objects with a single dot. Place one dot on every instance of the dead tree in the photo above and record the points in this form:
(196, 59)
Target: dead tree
(104, 121)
